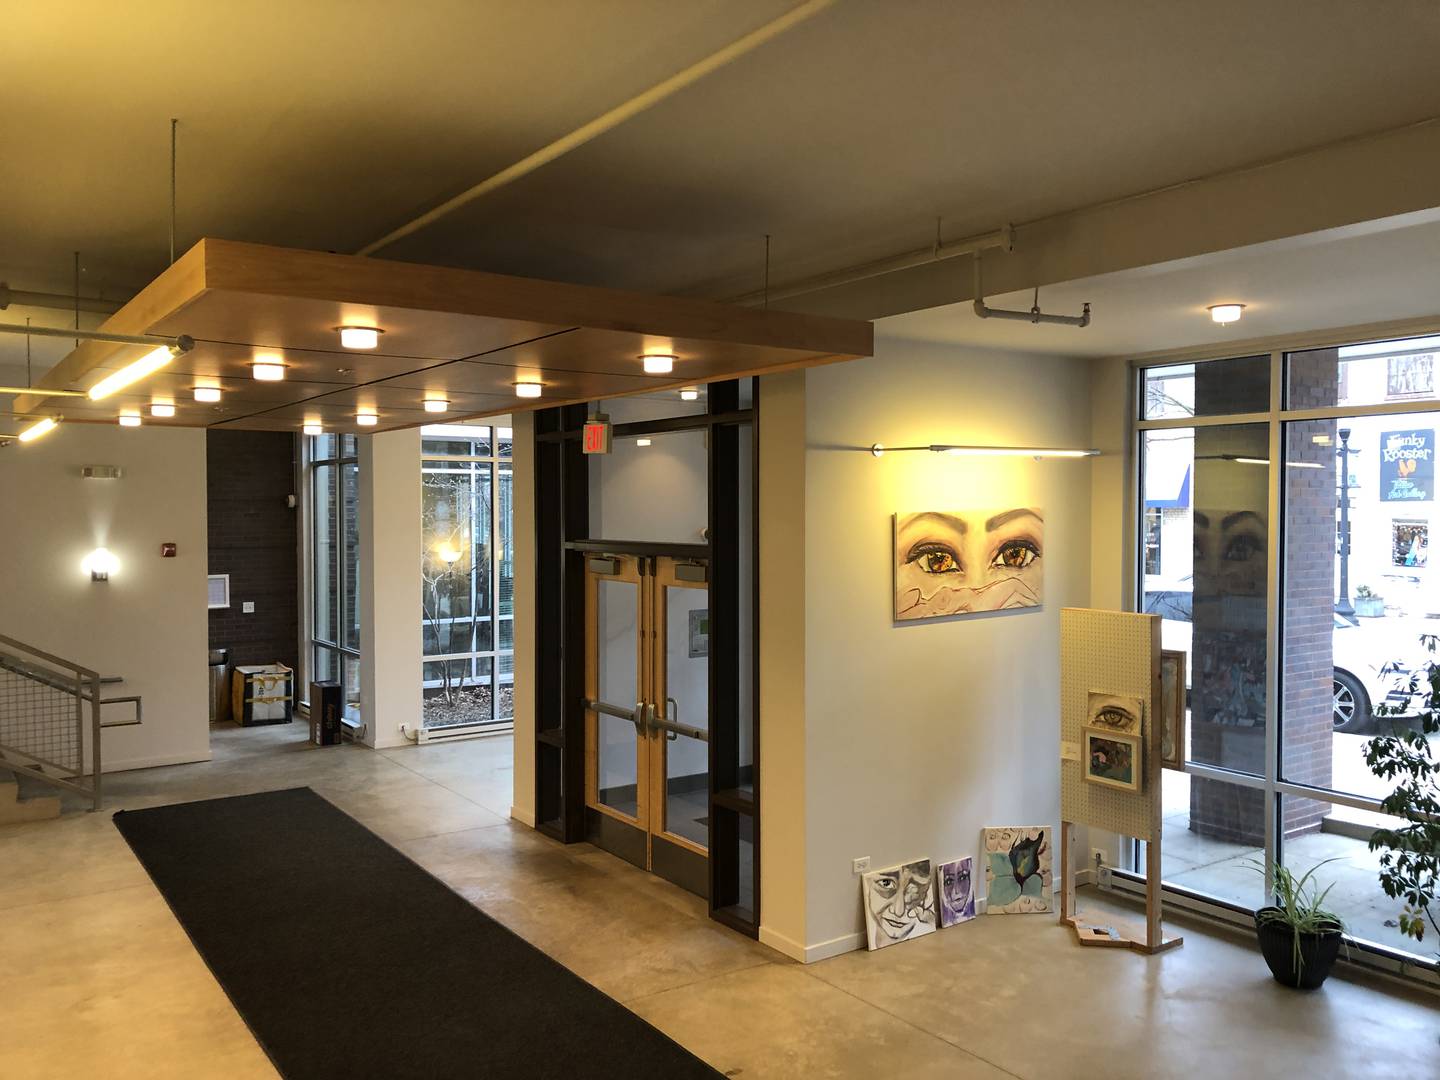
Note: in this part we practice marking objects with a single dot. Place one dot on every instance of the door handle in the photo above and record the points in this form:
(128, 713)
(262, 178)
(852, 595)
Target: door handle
(670, 732)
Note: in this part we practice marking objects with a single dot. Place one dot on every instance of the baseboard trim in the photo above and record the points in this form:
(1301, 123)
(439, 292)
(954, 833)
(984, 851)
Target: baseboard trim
(525, 817)
(131, 764)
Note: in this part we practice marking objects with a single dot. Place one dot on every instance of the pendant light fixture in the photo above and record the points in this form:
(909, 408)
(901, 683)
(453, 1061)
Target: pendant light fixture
(40, 427)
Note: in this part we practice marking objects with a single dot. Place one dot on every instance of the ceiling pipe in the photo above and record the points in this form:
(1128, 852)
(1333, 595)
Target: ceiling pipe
(1034, 315)
(59, 301)
(606, 121)
(183, 343)
(1003, 239)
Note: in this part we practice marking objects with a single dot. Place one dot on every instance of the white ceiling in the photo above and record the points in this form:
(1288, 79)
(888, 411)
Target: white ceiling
(1346, 277)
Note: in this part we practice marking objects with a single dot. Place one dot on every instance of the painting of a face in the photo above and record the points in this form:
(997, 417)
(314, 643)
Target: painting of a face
(956, 562)
(1018, 876)
(1114, 713)
(899, 903)
(957, 891)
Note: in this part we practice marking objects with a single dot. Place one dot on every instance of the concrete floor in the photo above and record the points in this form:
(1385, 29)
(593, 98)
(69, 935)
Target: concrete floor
(98, 979)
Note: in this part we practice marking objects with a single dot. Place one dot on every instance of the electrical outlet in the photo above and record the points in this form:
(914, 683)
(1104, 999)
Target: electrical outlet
(1097, 857)
(1102, 871)
(860, 865)
(247, 607)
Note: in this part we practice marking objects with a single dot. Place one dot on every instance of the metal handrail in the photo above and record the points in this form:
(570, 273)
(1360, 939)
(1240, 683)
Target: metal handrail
(83, 685)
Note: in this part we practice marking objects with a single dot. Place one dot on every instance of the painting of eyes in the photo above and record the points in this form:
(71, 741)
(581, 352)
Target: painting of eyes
(957, 895)
(958, 562)
(1115, 713)
(899, 903)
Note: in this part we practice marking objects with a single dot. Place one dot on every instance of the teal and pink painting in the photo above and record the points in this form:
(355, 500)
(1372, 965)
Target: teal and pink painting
(1018, 874)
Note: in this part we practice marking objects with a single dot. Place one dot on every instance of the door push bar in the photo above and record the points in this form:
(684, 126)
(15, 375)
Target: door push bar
(644, 717)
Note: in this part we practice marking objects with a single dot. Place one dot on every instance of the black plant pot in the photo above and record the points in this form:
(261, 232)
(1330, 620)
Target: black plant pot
(1318, 952)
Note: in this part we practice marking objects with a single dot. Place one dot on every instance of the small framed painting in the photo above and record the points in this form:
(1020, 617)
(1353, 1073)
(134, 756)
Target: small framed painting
(1172, 709)
(1112, 758)
(1111, 712)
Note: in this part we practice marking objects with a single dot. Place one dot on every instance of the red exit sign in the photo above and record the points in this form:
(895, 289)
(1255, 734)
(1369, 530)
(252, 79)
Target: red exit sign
(596, 436)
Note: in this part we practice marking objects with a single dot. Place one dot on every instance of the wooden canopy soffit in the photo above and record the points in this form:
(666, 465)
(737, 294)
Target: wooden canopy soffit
(464, 335)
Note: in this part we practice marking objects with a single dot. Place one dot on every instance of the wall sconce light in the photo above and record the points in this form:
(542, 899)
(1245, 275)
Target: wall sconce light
(958, 450)
(449, 554)
(100, 564)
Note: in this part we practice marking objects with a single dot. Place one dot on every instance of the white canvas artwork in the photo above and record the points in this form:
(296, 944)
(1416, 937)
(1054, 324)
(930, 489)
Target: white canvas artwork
(899, 903)
(1018, 876)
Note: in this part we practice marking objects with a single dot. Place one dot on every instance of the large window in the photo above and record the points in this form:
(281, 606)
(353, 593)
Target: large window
(467, 576)
(1289, 624)
(334, 534)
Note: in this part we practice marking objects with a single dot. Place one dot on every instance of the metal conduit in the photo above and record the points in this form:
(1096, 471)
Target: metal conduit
(606, 121)
(58, 301)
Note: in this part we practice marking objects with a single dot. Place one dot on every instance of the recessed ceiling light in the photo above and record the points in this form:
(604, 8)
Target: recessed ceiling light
(359, 337)
(690, 395)
(207, 394)
(437, 404)
(129, 419)
(658, 363)
(268, 370)
(642, 442)
(1226, 313)
(162, 408)
(367, 418)
(528, 388)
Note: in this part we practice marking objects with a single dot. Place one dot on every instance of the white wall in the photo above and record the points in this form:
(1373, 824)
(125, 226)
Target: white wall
(522, 806)
(918, 735)
(391, 546)
(149, 621)
(656, 492)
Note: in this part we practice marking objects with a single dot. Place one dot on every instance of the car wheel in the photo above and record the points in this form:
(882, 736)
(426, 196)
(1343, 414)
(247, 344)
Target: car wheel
(1352, 704)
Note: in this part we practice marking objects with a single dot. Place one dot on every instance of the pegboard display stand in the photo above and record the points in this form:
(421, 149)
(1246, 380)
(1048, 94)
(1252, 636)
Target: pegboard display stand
(1110, 652)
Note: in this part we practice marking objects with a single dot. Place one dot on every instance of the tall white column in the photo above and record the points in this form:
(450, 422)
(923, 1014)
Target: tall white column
(390, 611)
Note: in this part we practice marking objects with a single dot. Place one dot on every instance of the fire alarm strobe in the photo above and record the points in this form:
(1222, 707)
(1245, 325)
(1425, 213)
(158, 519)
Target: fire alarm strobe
(167, 551)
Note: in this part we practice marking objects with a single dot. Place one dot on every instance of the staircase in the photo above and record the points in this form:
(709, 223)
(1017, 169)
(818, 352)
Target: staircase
(50, 729)
(14, 809)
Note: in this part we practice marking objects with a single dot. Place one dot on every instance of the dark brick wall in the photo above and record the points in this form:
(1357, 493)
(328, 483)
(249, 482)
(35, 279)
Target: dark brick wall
(254, 537)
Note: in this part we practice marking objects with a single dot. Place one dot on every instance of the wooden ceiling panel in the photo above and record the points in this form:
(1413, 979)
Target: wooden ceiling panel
(465, 333)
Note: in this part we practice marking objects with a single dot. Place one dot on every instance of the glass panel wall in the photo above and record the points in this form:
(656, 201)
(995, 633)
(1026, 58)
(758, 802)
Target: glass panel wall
(467, 575)
(1346, 602)
(333, 522)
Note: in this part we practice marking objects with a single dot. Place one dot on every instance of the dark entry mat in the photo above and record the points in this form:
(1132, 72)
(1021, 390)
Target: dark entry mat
(346, 959)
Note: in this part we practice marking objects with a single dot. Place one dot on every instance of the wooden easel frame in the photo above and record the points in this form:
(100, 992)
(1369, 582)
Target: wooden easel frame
(1110, 932)
(1107, 931)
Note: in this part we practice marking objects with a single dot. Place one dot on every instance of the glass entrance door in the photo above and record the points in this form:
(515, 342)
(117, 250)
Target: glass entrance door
(647, 713)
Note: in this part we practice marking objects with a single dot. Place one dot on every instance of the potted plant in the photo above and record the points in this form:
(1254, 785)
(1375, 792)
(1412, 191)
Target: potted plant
(1368, 604)
(1410, 864)
(1299, 938)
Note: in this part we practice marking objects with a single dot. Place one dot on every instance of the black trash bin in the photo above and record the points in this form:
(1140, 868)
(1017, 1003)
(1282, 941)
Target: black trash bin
(219, 686)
